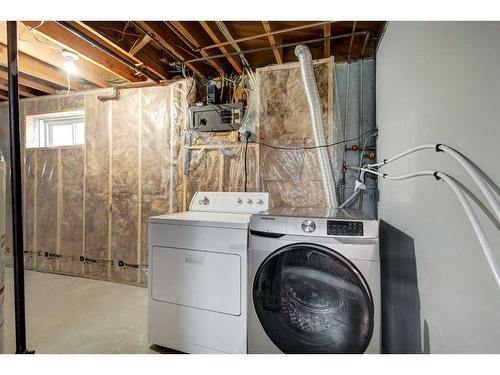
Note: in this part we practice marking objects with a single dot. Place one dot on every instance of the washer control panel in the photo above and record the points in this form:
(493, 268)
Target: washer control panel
(317, 227)
(344, 228)
(308, 226)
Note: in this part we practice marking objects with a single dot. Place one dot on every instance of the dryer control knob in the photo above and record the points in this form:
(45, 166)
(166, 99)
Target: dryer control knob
(260, 201)
(204, 200)
(239, 201)
(308, 226)
(249, 201)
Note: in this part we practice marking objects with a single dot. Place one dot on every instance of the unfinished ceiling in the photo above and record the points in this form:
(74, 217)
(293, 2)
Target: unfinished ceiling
(131, 51)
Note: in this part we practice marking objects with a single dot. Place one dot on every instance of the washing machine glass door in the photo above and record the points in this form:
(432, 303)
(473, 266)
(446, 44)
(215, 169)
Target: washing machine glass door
(310, 299)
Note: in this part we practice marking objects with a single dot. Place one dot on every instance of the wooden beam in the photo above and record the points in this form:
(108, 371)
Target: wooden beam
(327, 43)
(36, 68)
(4, 95)
(23, 90)
(67, 40)
(274, 40)
(140, 44)
(43, 50)
(217, 37)
(166, 39)
(29, 82)
(138, 58)
(193, 32)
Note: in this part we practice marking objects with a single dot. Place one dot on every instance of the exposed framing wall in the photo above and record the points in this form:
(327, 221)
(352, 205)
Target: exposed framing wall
(86, 207)
(93, 202)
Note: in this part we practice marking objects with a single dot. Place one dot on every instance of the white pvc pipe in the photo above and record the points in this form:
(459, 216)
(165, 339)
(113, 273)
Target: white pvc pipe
(311, 90)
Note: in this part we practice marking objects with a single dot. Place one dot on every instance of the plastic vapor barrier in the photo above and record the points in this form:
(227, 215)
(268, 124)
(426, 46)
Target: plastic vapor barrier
(86, 207)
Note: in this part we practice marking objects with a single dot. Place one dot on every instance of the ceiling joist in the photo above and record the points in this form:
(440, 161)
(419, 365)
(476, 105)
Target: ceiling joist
(36, 68)
(28, 81)
(41, 49)
(213, 31)
(67, 40)
(274, 40)
(193, 31)
(167, 39)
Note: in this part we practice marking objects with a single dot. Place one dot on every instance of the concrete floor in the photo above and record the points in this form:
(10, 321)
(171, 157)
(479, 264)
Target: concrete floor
(67, 314)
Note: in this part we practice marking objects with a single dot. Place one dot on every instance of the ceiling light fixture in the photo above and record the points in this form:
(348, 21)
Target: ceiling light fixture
(69, 65)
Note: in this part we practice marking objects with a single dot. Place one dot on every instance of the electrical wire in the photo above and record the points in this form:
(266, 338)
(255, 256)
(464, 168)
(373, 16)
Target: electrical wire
(245, 162)
(296, 148)
(69, 83)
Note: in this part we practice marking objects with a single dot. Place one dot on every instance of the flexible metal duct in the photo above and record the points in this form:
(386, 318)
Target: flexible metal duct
(312, 94)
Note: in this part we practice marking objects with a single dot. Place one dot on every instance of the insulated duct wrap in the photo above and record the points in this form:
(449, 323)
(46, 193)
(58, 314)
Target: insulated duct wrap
(306, 67)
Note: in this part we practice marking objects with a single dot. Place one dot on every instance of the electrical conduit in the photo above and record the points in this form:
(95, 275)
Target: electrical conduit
(312, 94)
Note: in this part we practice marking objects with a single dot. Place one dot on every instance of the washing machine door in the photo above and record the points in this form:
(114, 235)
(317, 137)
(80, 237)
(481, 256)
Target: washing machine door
(310, 299)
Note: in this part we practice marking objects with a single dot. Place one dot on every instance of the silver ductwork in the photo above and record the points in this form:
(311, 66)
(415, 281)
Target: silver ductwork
(306, 67)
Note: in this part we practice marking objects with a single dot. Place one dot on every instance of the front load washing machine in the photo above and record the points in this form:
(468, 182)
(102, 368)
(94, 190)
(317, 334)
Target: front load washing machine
(314, 282)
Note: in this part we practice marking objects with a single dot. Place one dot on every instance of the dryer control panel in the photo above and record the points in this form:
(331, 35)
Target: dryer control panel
(232, 202)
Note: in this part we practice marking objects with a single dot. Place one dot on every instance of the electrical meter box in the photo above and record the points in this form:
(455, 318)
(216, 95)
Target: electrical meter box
(216, 117)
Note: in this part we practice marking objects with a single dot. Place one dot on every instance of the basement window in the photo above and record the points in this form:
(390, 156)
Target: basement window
(55, 130)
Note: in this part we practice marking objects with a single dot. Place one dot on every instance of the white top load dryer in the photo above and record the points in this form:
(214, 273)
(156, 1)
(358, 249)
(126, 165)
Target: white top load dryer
(314, 282)
(198, 273)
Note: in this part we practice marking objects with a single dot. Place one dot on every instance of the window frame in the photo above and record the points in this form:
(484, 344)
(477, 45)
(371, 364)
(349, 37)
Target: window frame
(42, 127)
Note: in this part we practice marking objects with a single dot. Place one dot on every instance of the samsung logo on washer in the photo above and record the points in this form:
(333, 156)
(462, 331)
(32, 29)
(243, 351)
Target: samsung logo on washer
(267, 218)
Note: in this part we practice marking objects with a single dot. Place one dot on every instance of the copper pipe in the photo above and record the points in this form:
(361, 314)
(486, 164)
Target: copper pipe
(265, 35)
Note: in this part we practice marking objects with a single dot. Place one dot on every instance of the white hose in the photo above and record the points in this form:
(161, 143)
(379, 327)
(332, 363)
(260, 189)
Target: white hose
(471, 169)
(405, 153)
(311, 90)
(487, 187)
(481, 236)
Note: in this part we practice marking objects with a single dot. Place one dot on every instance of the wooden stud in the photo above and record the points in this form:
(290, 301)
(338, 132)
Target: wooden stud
(35, 197)
(139, 189)
(327, 43)
(110, 182)
(217, 37)
(59, 208)
(84, 204)
(274, 40)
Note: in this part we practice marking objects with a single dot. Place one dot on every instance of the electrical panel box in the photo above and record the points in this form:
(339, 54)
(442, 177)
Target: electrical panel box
(216, 117)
